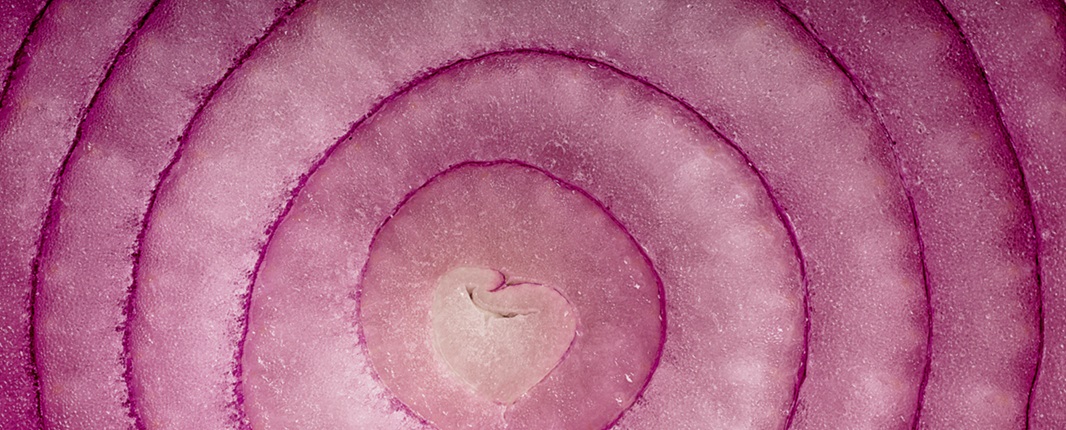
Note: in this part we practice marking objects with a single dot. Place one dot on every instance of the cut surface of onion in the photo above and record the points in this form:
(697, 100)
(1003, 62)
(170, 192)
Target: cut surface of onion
(496, 292)
(60, 67)
(130, 133)
(767, 88)
(1021, 50)
(970, 205)
(16, 20)
(500, 337)
(452, 214)
(719, 258)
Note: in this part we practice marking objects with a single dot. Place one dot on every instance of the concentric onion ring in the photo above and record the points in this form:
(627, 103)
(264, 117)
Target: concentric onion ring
(920, 200)
(761, 303)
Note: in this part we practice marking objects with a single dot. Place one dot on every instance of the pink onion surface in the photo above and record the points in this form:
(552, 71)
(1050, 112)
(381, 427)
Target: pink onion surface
(533, 214)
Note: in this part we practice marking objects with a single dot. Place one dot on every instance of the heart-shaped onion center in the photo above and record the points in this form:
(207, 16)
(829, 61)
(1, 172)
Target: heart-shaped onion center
(500, 338)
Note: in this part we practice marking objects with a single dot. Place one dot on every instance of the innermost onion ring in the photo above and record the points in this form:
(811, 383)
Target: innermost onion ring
(497, 286)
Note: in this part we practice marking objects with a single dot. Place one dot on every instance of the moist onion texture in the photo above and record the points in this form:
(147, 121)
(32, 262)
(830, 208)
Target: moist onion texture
(328, 214)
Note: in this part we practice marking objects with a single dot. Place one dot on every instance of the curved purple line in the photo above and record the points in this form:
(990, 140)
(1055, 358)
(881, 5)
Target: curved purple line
(129, 310)
(52, 212)
(913, 211)
(906, 191)
(603, 208)
(20, 53)
(16, 61)
(1027, 199)
(428, 75)
(563, 183)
